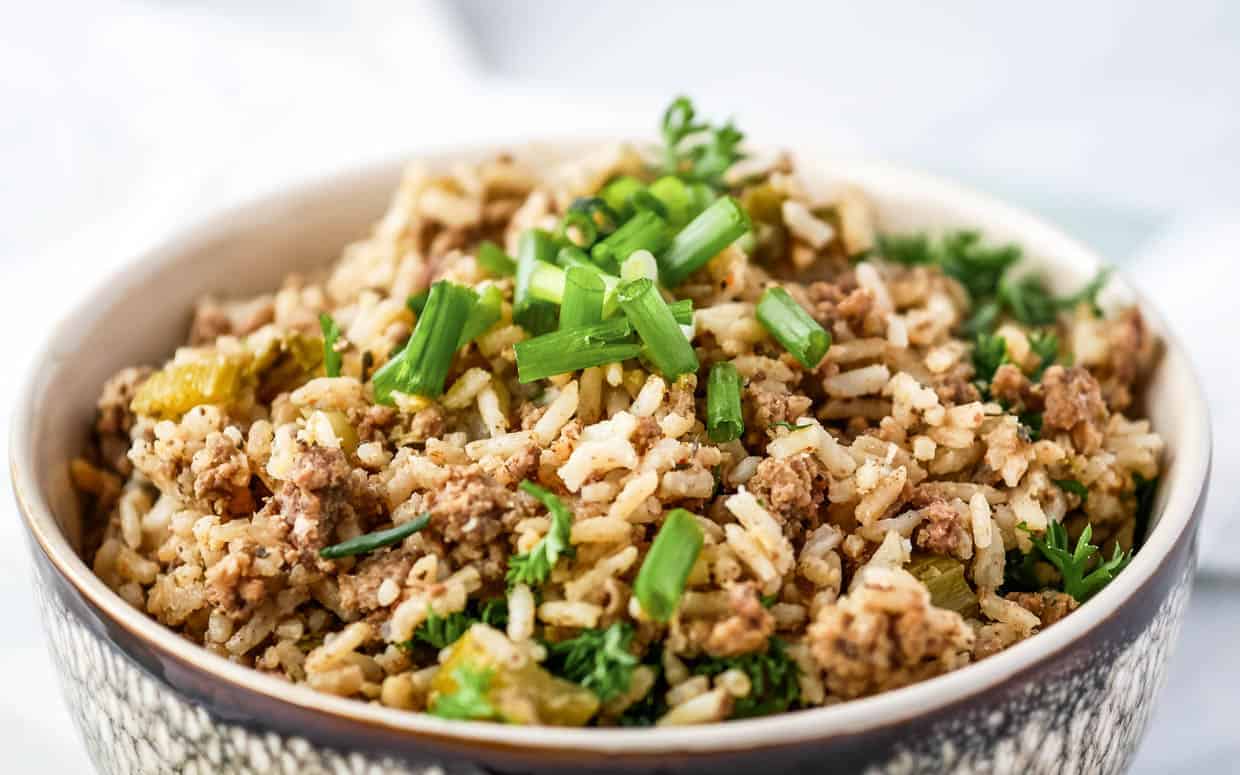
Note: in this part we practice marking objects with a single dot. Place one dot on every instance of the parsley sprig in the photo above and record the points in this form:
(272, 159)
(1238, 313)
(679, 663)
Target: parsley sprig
(1073, 563)
(534, 567)
(442, 631)
(599, 660)
(694, 150)
(983, 271)
(773, 678)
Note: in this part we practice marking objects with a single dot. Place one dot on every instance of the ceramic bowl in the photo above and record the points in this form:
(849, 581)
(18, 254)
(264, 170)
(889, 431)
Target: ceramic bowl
(1075, 698)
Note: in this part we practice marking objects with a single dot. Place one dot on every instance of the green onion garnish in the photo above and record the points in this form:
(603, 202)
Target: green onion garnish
(724, 420)
(547, 283)
(666, 344)
(661, 580)
(567, 350)
(484, 315)
(618, 193)
(417, 302)
(644, 231)
(714, 229)
(536, 248)
(640, 264)
(422, 366)
(495, 260)
(792, 327)
(583, 298)
(572, 256)
(676, 197)
(371, 541)
(331, 357)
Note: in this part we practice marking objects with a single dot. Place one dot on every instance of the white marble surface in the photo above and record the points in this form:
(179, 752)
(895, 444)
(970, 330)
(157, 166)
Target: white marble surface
(1120, 120)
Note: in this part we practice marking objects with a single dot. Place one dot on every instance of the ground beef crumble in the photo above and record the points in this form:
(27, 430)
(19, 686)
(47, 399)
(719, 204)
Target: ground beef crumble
(886, 634)
(1048, 605)
(748, 628)
(1074, 404)
(792, 489)
(321, 492)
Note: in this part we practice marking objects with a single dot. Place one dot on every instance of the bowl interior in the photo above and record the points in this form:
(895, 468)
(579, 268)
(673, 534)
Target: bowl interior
(141, 315)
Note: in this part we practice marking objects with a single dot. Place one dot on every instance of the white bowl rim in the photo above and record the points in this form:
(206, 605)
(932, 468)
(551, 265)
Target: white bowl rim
(790, 728)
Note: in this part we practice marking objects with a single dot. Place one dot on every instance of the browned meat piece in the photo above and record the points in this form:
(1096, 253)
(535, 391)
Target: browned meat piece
(746, 630)
(1047, 605)
(1013, 388)
(323, 491)
(468, 514)
(792, 488)
(836, 308)
(1133, 350)
(680, 396)
(372, 421)
(955, 386)
(214, 318)
(221, 472)
(231, 589)
(359, 590)
(646, 434)
(427, 424)
(118, 392)
(942, 533)
(522, 465)
(1074, 404)
(766, 403)
(885, 634)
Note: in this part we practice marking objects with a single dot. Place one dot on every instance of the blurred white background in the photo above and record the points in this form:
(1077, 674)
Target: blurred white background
(1120, 120)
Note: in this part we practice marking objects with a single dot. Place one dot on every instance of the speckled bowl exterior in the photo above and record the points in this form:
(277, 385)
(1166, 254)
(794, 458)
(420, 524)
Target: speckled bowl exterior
(1073, 699)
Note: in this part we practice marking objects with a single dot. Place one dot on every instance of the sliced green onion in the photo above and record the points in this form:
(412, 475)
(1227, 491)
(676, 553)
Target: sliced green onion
(590, 217)
(644, 231)
(493, 259)
(792, 327)
(643, 200)
(661, 580)
(485, 314)
(640, 264)
(666, 344)
(618, 193)
(547, 283)
(583, 298)
(422, 366)
(377, 540)
(572, 256)
(724, 421)
(536, 248)
(331, 356)
(676, 197)
(417, 302)
(568, 350)
(714, 229)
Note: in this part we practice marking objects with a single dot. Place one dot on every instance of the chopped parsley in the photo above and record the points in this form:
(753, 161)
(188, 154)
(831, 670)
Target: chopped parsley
(1073, 563)
(442, 631)
(982, 270)
(1032, 423)
(773, 677)
(989, 353)
(599, 660)
(469, 702)
(1045, 345)
(534, 567)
